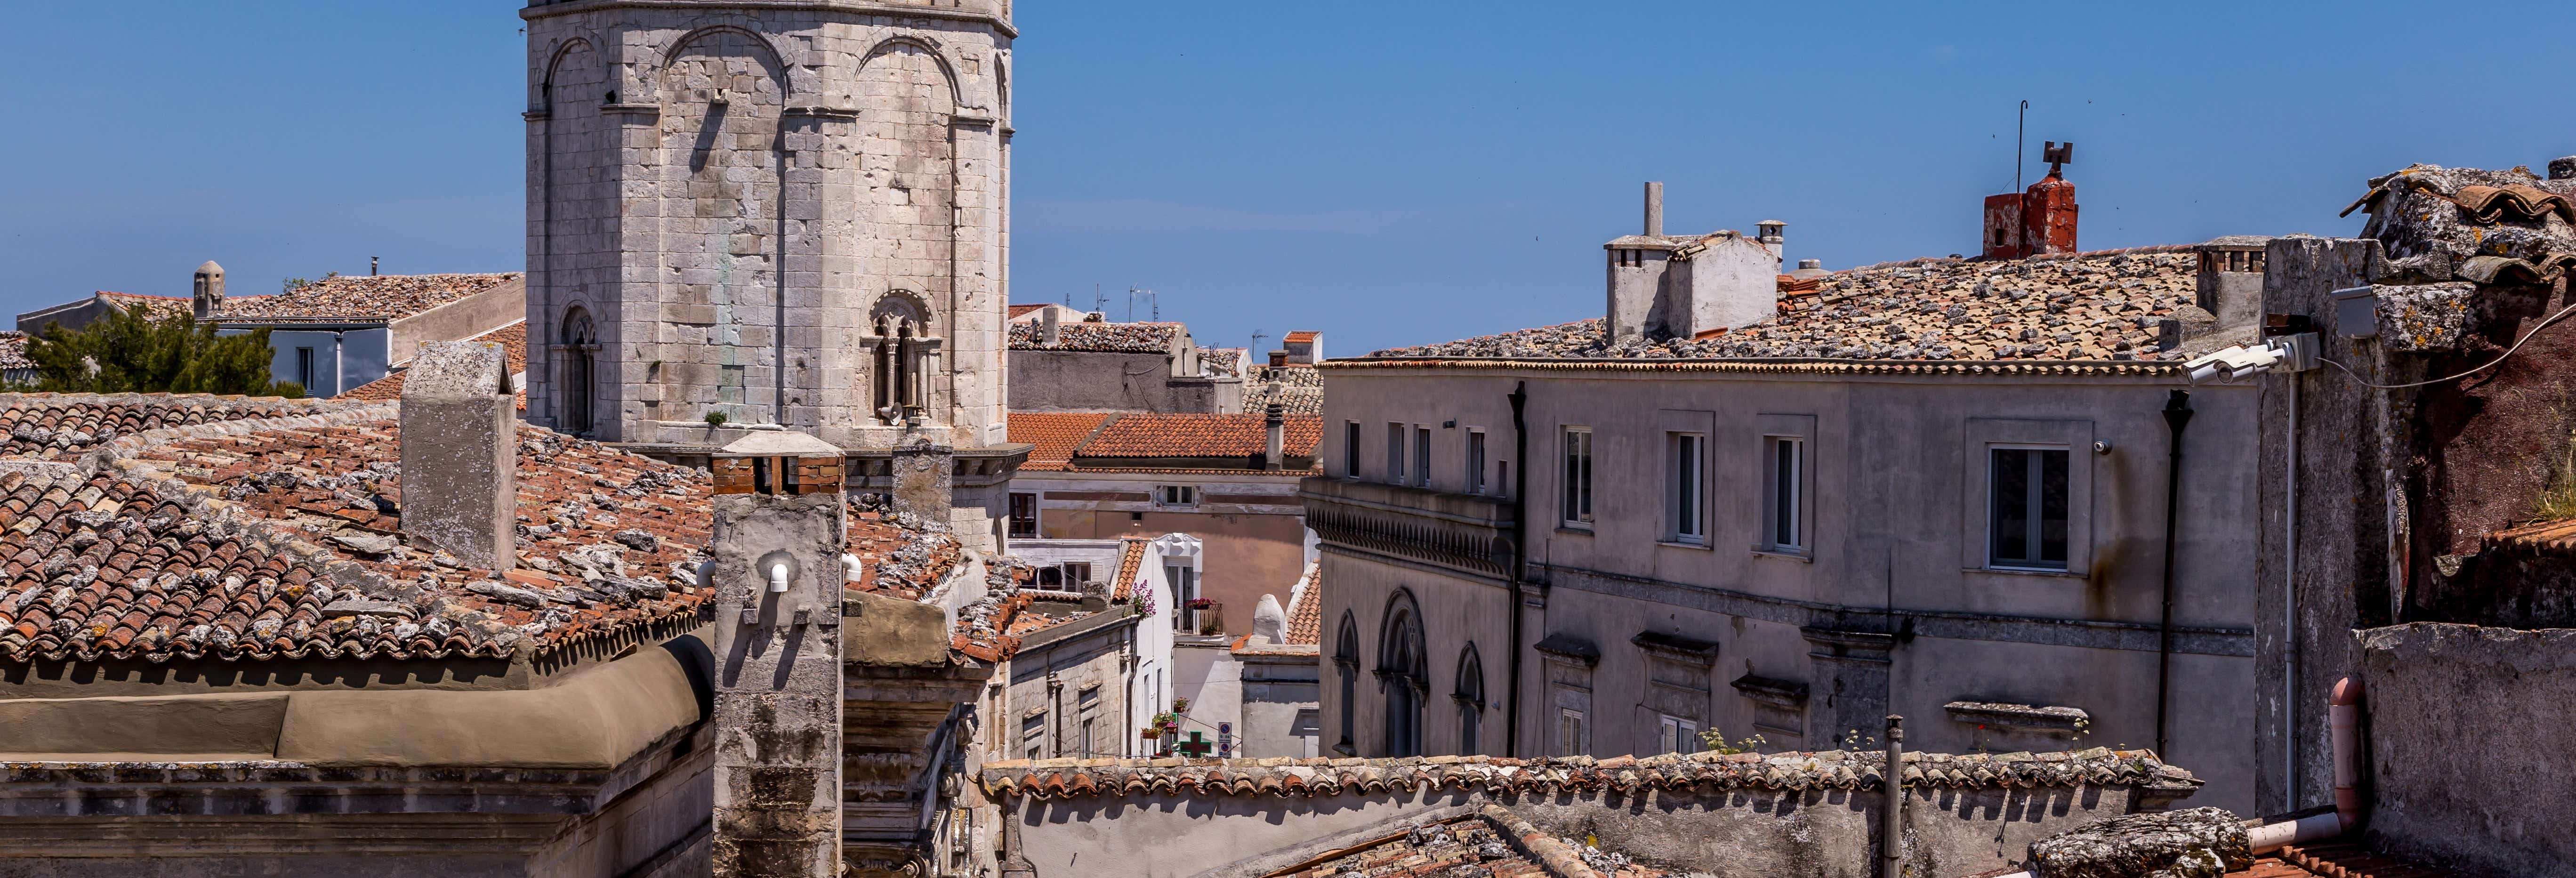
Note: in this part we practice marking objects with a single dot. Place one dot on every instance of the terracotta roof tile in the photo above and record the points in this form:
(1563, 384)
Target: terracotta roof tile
(513, 337)
(152, 306)
(1301, 390)
(1017, 310)
(2338, 859)
(389, 297)
(1493, 842)
(1131, 557)
(1834, 770)
(1142, 338)
(61, 426)
(1306, 610)
(2078, 307)
(1056, 435)
(13, 351)
(281, 540)
(1302, 335)
(1193, 435)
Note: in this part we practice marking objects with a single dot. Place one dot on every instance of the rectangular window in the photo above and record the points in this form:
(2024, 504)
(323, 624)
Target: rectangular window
(1784, 497)
(1033, 736)
(2026, 491)
(1176, 496)
(1024, 515)
(1185, 588)
(1476, 462)
(1689, 519)
(1087, 704)
(304, 369)
(1578, 477)
(1422, 456)
(1350, 449)
(1395, 454)
(1679, 735)
(1569, 732)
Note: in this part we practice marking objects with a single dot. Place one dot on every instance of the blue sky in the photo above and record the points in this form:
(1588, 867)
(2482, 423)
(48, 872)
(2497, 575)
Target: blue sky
(1390, 173)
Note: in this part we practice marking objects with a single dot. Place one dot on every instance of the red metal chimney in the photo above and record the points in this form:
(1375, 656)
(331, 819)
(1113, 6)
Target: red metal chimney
(2038, 220)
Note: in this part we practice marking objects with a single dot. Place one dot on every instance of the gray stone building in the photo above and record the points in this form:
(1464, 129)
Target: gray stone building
(1781, 508)
(749, 218)
(1096, 366)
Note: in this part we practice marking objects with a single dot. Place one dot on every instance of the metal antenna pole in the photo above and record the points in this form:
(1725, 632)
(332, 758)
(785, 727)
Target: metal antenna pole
(2020, 125)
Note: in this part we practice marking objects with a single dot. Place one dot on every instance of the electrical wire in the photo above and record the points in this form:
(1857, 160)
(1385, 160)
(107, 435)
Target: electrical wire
(2526, 338)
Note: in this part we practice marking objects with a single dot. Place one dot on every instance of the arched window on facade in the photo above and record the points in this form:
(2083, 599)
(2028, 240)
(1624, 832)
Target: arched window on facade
(1402, 675)
(902, 342)
(579, 388)
(1471, 699)
(1346, 660)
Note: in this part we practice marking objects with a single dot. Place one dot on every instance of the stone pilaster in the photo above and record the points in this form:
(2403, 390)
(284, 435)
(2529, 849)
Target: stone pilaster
(1852, 670)
(778, 708)
(460, 447)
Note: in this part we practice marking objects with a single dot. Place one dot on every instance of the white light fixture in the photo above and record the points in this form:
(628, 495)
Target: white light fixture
(778, 577)
(2287, 353)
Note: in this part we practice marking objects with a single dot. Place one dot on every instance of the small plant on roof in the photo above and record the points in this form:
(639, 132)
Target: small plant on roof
(716, 419)
(1714, 741)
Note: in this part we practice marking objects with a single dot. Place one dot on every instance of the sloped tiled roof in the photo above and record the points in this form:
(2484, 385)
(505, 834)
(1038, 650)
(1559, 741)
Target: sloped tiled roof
(2090, 306)
(61, 426)
(280, 540)
(1197, 435)
(1142, 338)
(1131, 557)
(1302, 335)
(1056, 435)
(1306, 610)
(2338, 859)
(1301, 390)
(1493, 843)
(151, 306)
(1222, 361)
(1018, 310)
(1839, 770)
(513, 338)
(388, 297)
(13, 350)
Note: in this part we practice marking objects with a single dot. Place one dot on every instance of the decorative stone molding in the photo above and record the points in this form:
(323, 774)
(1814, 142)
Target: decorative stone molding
(2019, 717)
(1471, 534)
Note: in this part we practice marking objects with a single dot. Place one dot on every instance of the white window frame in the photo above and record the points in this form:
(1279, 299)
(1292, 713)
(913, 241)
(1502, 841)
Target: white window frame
(1351, 450)
(1395, 452)
(1677, 734)
(1982, 437)
(1686, 488)
(1994, 509)
(1784, 494)
(1576, 481)
(1421, 456)
(1477, 450)
(1573, 732)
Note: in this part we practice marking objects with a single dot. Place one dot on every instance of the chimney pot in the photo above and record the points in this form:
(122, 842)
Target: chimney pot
(2563, 168)
(1050, 329)
(1654, 210)
(1811, 265)
(209, 287)
(460, 453)
(1275, 425)
(1279, 359)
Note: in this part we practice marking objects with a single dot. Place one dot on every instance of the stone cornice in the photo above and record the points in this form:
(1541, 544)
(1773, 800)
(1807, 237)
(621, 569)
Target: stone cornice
(858, 7)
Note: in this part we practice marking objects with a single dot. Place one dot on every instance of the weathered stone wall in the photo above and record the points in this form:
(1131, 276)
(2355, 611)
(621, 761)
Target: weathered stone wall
(1114, 381)
(778, 687)
(2468, 731)
(731, 199)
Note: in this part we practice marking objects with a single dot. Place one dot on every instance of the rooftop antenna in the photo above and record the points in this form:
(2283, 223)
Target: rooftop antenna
(371, 265)
(2020, 125)
(1257, 336)
(2058, 156)
(1099, 302)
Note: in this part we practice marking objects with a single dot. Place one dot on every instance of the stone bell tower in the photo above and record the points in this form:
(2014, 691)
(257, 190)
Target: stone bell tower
(747, 216)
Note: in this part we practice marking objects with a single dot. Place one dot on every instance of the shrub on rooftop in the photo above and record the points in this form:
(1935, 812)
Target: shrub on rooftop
(133, 352)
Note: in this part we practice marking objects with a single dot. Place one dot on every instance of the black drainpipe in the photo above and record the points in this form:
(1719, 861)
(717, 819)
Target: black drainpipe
(2177, 416)
(1520, 559)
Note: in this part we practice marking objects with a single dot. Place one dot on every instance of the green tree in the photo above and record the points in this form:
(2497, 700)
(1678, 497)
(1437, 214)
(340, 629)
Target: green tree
(133, 352)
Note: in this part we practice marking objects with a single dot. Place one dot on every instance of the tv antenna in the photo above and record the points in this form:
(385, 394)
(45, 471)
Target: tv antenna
(2020, 125)
(1259, 355)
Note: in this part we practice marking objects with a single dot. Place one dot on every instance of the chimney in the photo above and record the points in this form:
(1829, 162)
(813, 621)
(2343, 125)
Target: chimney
(1269, 623)
(1684, 287)
(778, 538)
(1654, 210)
(2563, 168)
(2230, 280)
(2038, 220)
(1278, 359)
(460, 447)
(1050, 330)
(1305, 347)
(371, 265)
(209, 286)
(1275, 421)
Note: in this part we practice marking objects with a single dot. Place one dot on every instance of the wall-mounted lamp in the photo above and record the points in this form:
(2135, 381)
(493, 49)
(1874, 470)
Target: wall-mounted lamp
(2286, 353)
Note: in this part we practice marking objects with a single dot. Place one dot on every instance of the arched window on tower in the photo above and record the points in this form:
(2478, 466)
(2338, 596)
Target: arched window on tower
(1470, 696)
(1402, 675)
(579, 353)
(903, 346)
(1346, 660)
